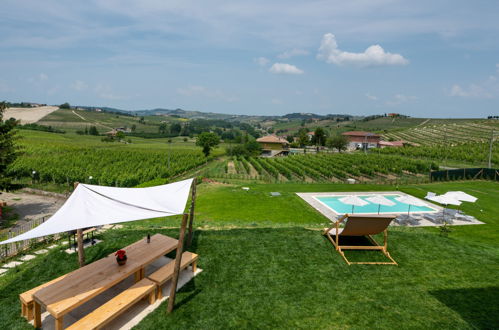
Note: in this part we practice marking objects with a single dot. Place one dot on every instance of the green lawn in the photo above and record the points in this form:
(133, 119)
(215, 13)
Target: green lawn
(266, 265)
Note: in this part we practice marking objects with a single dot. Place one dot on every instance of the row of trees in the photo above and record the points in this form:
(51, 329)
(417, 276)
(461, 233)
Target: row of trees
(319, 138)
(8, 150)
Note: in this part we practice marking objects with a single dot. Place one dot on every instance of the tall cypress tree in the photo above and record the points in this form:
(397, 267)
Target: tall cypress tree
(8, 149)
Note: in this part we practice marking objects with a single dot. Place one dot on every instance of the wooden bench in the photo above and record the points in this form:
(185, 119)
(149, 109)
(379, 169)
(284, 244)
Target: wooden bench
(165, 273)
(114, 307)
(27, 298)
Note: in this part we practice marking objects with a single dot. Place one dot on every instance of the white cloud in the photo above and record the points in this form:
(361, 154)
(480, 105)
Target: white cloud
(399, 99)
(293, 52)
(261, 61)
(487, 89)
(374, 55)
(105, 92)
(38, 78)
(78, 85)
(472, 91)
(284, 68)
(195, 90)
(371, 97)
(276, 101)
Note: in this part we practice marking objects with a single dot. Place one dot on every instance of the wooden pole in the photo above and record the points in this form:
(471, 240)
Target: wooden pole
(79, 237)
(191, 212)
(178, 259)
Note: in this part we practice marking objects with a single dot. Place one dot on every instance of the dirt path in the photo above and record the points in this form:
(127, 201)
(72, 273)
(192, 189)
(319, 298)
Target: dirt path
(29, 115)
(96, 123)
(31, 206)
(427, 120)
(252, 171)
(231, 169)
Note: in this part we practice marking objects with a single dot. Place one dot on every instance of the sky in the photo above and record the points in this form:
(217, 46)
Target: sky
(361, 57)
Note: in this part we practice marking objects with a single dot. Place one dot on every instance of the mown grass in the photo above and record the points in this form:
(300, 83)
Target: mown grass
(266, 265)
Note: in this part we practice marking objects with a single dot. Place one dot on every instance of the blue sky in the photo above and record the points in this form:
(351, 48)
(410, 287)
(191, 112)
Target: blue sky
(420, 58)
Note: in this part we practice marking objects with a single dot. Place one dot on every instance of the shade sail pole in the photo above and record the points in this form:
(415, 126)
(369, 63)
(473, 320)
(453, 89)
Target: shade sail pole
(178, 259)
(191, 212)
(79, 238)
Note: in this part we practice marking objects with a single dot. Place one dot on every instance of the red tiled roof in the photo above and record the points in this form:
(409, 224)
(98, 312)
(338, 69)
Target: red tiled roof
(272, 139)
(360, 133)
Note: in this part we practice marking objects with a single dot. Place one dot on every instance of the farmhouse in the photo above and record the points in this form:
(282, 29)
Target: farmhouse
(273, 145)
(362, 140)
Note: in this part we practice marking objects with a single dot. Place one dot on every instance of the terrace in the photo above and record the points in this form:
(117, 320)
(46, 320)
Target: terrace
(263, 269)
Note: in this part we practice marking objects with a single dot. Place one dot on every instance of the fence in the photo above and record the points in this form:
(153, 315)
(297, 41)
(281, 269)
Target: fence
(12, 249)
(465, 174)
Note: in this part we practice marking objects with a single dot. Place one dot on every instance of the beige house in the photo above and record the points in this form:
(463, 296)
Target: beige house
(273, 145)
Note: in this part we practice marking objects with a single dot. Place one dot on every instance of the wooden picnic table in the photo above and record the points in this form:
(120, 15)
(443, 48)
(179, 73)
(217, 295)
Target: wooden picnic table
(87, 282)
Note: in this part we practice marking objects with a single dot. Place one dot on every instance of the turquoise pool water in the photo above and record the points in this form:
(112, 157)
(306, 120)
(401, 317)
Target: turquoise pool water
(334, 204)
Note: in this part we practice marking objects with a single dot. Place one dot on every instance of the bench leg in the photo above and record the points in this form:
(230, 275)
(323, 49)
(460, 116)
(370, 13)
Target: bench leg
(38, 315)
(152, 296)
(160, 292)
(24, 310)
(194, 266)
(29, 311)
(59, 323)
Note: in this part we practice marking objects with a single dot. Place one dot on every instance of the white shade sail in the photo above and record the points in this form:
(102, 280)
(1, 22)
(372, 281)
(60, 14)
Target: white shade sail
(410, 200)
(380, 199)
(461, 196)
(91, 205)
(353, 200)
(445, 200)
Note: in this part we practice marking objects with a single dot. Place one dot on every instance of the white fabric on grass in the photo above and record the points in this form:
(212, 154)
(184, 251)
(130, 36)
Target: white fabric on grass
(91, 205)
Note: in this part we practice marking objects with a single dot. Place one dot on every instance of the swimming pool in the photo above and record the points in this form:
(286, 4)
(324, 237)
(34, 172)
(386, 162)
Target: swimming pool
(333, 203)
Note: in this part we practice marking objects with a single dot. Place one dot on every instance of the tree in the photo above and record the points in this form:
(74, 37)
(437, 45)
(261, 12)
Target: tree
(93, 130)
(162, 128)
(319, 138)
(65, 106)
(254, 148)
(303, 137)
(120, 135)
(207, 141)
(8, 149)
(338, 141)
(175, 128)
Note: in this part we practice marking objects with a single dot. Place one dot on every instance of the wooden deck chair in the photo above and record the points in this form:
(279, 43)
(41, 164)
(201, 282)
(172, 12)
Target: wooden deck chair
(357, 225)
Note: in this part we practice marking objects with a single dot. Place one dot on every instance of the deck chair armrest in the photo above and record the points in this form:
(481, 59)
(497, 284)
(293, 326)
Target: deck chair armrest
(336, 224)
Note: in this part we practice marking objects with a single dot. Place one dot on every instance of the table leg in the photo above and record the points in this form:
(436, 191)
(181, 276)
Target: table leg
(29, 311)
(142, 273)
(24, 311)
(59, 322)
(137, 276)
(37, 323)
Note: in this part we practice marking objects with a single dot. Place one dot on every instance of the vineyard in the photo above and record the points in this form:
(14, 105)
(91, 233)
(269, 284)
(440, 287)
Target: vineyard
(322, 168)
(62, 160)
(446, 134)
(475, 153)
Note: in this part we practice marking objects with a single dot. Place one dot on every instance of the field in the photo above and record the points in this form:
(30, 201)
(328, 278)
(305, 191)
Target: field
(323, 168)
(471, 153)
(73, 120)
(266, 265)
(449, 133)
(66, 158)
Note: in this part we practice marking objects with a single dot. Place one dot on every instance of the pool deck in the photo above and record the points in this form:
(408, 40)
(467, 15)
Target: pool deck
(329, 213)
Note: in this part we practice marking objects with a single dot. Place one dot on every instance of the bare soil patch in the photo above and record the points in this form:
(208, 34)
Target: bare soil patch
(31, 206)
(231, 169)
(29, 115)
